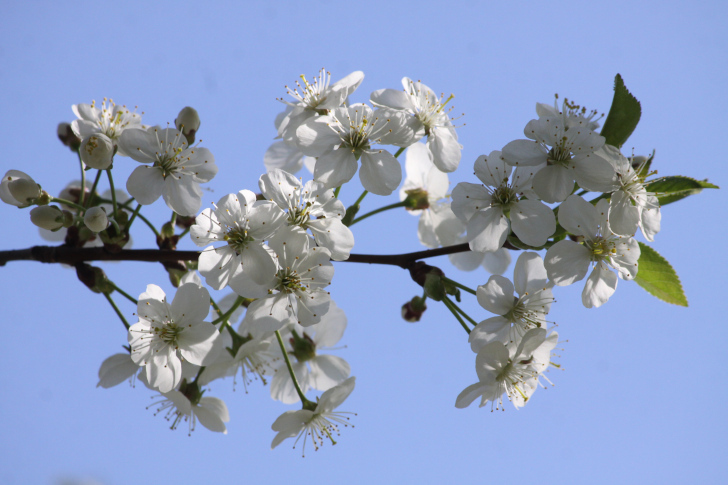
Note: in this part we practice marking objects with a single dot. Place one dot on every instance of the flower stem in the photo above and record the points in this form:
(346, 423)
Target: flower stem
(336, 191)
(460, 310)
(93, 187)
(151, 226)
(450, 306)
(124, 293)
(462, 287)
(225, 316)
(399, 152)
(377, 211)
(113, 191)
(304, 401)
(68, 202)
(116, 309)
(83, 180)
(133, 216)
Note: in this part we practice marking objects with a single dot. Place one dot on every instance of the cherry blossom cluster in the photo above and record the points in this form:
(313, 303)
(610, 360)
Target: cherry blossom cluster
(563, 189)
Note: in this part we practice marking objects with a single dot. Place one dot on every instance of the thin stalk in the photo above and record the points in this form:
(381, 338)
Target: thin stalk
(449, 306)
(399, 152)
(304, 401)
(361, 197)
(69, 203)
(173, 220)
(151, 226)
(81, 197)
(377, 211)
(336, 191)
(113, 190)
(225, 316)
(124, 293)
(93, 187)
(460, 310)
(116, 309)
(133, 216)
(184, 233)
(462, 287)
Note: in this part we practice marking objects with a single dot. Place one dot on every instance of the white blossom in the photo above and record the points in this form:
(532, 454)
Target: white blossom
(176, 170)
(561, 148)
(516, 315)
(109, 120)
(429, 118)
(631, 206)
(320, 424)
(210, 412)
(310, 206)
(166, 334)
(245, 262)
(568, 261)
(492, 209)
(345, 135)
(296, 295)
(514, 373)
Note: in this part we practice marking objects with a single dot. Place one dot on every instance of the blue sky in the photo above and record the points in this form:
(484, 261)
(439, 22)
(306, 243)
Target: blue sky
(640, 397)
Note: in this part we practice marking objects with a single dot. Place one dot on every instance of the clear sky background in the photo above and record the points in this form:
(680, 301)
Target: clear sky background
(642, 394)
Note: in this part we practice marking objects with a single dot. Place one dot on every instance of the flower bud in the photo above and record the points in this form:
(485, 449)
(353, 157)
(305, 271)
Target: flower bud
(97, 151)
(412, 310)
(19, 189)
(188, 122)
(48, 217)
(24, 190)
(68, 137)
(94, 278)
(96, 219)
(417, 199)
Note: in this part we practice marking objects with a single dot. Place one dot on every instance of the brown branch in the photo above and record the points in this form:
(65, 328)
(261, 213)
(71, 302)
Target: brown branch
(73, 255)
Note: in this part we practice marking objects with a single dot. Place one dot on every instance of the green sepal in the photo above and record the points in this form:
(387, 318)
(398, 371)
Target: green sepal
(624, 114)
(658, 277)
(434, 287)
(351, 212)
(676, 187)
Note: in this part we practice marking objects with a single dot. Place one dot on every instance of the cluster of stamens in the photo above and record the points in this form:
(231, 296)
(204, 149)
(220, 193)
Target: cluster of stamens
(311, 94)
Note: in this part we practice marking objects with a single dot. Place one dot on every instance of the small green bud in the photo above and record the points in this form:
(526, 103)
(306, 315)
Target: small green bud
(44, 198)
(417, 199)
(94, 278)
(303, 347)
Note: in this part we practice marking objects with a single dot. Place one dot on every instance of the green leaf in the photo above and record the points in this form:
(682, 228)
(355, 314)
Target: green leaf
(658, 277)
(674, 188)
(623, 115)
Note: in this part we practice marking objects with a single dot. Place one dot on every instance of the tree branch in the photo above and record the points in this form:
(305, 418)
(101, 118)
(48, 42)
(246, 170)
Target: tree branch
(73, 255)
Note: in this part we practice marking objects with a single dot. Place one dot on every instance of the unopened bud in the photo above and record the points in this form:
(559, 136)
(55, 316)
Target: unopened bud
(48, 217)
(97, 151)
(19, 189)
(416, 200)
(96, 219)
(24, 190)
(94, 278)
(68, 137)
(188, 122)
(412, 310)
